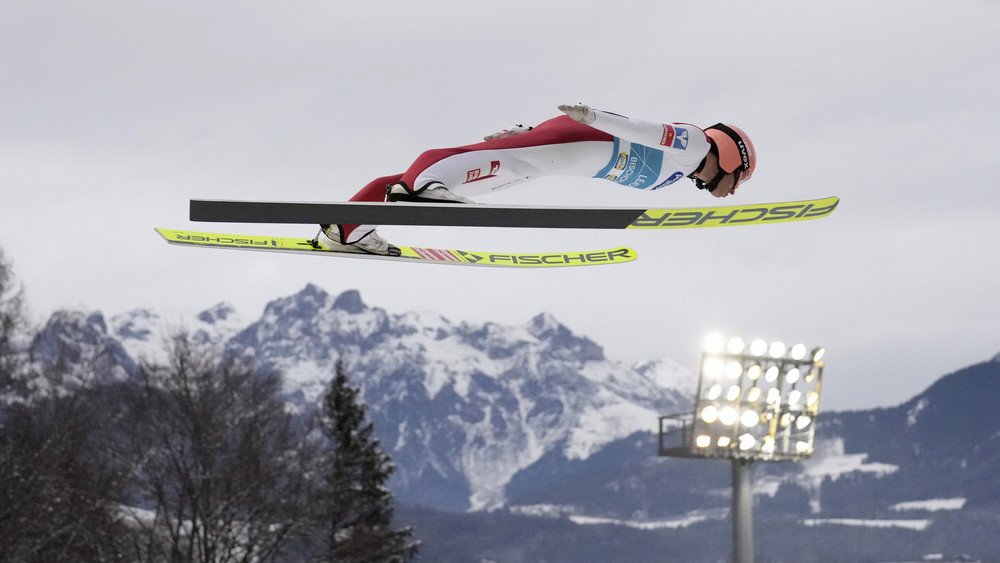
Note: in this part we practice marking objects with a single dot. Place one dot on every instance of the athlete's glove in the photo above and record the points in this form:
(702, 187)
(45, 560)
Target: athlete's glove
(515, 130)
(580, 113)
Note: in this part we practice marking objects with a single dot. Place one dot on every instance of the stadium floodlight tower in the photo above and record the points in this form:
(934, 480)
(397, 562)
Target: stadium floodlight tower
(755, 402)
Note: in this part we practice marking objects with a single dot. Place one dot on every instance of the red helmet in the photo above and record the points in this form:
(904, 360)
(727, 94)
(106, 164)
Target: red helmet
(735, 150)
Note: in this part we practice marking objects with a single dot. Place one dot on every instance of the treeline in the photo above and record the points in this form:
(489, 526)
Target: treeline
(199, 459)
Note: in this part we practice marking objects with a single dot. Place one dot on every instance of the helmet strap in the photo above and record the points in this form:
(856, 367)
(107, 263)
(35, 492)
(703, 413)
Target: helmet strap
(714, 182)
(696, 171)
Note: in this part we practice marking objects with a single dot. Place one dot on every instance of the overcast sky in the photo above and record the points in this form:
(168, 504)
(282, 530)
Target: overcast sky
(114, 114)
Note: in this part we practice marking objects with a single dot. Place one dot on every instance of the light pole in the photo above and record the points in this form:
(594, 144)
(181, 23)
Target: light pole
(755, 402)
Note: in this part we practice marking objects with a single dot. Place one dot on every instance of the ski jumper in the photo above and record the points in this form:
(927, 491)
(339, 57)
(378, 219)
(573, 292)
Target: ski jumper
(631, 152)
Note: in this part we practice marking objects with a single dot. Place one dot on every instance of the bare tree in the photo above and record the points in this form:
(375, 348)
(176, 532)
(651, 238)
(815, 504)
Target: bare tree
(57, 496)
(218, 463)
(196, 460)
(55, 489)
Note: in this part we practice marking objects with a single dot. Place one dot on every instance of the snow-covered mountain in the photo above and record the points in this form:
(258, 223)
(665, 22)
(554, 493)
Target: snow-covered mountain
(144, 333)
(75, 347)
(462, 408)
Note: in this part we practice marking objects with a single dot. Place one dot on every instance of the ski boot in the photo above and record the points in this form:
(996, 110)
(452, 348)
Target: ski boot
(329, 238)
(433, 193)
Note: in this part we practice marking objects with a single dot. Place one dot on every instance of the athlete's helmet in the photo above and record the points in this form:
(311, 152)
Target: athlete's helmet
(735, 150)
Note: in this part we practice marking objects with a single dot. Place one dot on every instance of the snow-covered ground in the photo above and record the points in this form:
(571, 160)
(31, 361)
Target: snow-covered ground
(682, 521)
(931, 505)
(918, 525)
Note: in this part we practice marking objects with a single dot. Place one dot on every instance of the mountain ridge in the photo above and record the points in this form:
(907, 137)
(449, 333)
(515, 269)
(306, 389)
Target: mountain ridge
(535, 421)
(463, 406)
(479, 415)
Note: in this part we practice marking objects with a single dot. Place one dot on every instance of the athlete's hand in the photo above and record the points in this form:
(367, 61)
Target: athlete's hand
(580, 113)
(515, 130)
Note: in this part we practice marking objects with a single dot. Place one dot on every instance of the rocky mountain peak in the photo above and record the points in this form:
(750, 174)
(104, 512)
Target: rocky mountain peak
(219, 312)
(78, 344)
(350, 302)
(561, 341)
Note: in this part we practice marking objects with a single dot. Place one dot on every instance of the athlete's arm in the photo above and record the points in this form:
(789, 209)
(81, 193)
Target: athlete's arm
(682, 140)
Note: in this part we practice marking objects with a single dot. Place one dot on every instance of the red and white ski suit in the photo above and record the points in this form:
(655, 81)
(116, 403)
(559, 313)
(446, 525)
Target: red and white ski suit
(632, 152)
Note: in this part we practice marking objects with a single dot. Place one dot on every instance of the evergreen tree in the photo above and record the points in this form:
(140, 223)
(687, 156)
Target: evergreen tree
(358, 509)
(12, 321)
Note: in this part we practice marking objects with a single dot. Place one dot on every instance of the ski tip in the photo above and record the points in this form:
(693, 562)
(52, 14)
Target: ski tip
(624, 253)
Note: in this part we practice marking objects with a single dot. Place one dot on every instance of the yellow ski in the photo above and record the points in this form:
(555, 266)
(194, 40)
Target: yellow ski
(407, 253)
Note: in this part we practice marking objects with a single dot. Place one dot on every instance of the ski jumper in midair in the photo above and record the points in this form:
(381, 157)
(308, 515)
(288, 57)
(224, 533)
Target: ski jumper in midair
(632, 152)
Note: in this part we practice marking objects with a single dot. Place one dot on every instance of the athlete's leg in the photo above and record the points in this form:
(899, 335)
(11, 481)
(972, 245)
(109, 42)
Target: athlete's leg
(557, 146)
(375, 190)
(372, 192)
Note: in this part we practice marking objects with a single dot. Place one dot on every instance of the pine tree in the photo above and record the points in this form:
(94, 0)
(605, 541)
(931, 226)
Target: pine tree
(358, 508)
(12, 320)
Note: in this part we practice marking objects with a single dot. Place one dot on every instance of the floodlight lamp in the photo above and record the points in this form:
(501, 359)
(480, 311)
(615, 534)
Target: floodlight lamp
(773, 396)
(714, 367)
(818, 354)
(767, 445)
(758, 347)
(734, 370)
(735, 345)
(714, 343)
(747, 441)
(710, 414)
(753, 395)
(792, 376)
(812, 399)
(733, 393)
(750, 418)
(802, 422)
(798, 351)
(714, 392)
(786, 419)
(771, 375)
(703, 441)
(724, 441)
(794, 396)
(811, 376)
(753, 372)
(777, 349)
(728, 416)
(802, 447)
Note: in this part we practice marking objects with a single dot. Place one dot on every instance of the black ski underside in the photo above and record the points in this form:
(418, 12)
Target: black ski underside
(402, 213)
